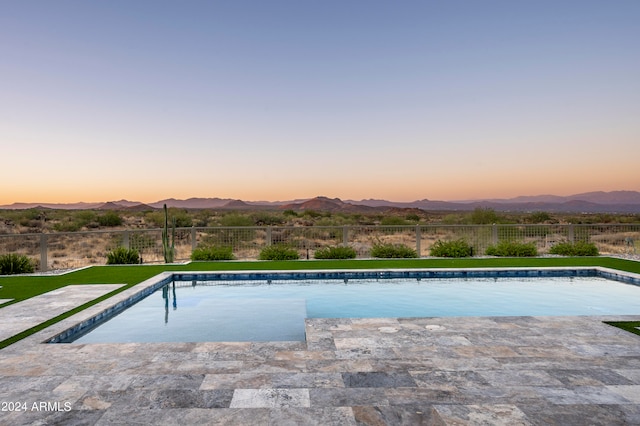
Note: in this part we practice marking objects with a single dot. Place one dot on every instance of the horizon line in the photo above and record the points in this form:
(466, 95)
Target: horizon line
(295, 199)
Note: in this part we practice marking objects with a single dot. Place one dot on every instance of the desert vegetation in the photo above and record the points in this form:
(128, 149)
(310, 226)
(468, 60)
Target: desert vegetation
(212, 253)
(278, 252)
(392, 251)
(579, 248)
(453, 248)
(12, 263)
(42, 220)
(507, 248)
(337, 252)
(123, 256)
(77, 238)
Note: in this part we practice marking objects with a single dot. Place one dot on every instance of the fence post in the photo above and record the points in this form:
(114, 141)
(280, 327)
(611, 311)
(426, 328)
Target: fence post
(43, 253)
(494, 234)
(268, 237)
(193, 238)
(571, 236)
(345, 235)
(418, 238)
(125, 240)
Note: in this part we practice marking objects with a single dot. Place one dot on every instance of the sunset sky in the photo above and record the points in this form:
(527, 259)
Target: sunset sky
(276, 100)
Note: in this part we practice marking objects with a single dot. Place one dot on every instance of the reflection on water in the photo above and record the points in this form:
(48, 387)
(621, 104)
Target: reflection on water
(166, 296)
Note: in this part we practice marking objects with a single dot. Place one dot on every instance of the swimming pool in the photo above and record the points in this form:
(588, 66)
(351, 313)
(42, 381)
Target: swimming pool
(271, 306)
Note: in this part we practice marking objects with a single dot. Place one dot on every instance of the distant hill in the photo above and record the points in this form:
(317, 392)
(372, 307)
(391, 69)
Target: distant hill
(60, 206)
(237, 204)
(588, 202)
(598, 197)
(326, 204)
(193, 203)
(140, 208)
(127, 203)
(111, 206)
(613, 197)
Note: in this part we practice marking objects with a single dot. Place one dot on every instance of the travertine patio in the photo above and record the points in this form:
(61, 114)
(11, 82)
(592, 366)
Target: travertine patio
(441, 371)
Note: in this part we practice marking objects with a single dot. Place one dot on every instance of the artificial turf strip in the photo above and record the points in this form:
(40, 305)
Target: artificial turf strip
(24, 287)
(630, 326)
(54, 320)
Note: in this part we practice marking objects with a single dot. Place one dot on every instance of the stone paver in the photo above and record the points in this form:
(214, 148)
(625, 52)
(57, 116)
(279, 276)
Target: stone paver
(23, 315)
(395, 371)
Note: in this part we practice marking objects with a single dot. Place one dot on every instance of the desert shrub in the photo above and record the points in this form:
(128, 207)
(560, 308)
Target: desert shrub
(484, 216)
(412, 217)
(156, 218)
(388, 251)
(267, 219)
(202, 218)
(241, 230)
(453, 219)
(327, 221)
(85, 216)
(73, 222)
(234, 219)
(31, 223)
(314, 214)
(213, 253)
(454, 248)
(629, 218)
(512, 249)
(68, 225)
(33, 214)
(183, 218)
(123, 256)
(539, 217)
(579, 248)
(393, 221)
(290, 212)
(591, 218)
(278, 252)
(15, 264)
(109, 219)
(338, 252)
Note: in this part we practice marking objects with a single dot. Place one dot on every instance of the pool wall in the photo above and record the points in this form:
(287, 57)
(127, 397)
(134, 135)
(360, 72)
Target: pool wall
(140, 291)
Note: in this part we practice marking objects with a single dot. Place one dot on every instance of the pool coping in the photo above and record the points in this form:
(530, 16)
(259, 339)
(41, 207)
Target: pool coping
(96, 314)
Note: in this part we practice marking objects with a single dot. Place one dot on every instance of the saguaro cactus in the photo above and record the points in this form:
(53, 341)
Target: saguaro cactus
(169, 250)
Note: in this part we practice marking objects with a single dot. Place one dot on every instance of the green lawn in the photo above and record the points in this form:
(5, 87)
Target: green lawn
(630, 326)
(24, 287)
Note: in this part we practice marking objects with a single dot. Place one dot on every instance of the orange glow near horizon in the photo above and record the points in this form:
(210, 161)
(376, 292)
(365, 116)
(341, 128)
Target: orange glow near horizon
(418, 102)
(468, 188)
(399, 181)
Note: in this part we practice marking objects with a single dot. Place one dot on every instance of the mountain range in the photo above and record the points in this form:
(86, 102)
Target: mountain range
(588, 202)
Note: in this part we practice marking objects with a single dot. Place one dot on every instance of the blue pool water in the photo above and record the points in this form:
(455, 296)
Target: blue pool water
(196, 311)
